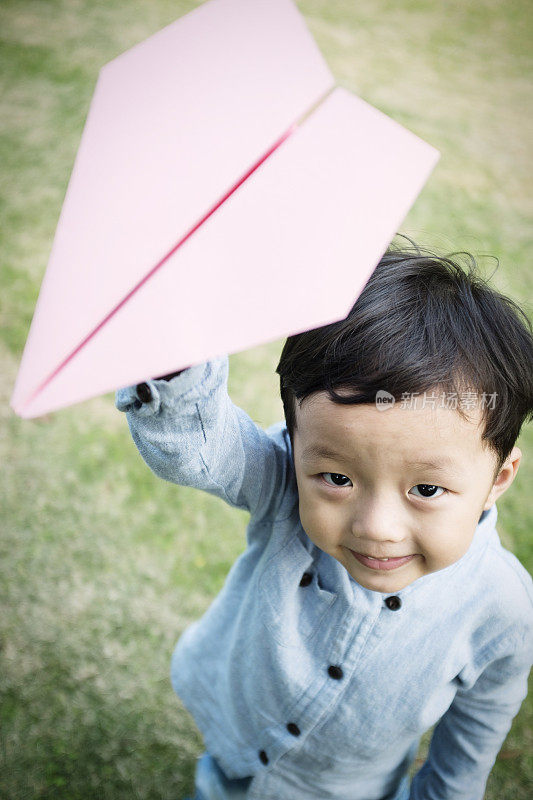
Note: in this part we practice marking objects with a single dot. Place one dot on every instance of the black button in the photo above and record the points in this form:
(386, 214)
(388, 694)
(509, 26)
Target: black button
(293, 729)
(144, 393)
(307, 577)
(264, 758)
(394, 603)
(335, 672)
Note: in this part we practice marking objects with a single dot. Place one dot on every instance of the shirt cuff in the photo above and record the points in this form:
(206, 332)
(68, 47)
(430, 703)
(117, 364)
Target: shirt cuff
(164, 394)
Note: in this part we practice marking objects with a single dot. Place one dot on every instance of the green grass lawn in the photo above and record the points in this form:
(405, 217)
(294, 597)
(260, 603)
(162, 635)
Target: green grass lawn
(102, 564)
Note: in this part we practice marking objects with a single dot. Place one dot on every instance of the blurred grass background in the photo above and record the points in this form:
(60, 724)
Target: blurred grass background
(102, 564)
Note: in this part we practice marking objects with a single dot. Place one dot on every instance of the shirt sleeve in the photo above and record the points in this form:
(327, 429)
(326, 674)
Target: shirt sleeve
(192, 434)
(467, 739)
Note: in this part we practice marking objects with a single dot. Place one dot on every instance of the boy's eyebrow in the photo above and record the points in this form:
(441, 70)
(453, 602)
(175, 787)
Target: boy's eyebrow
(319, 451)
(445, 463)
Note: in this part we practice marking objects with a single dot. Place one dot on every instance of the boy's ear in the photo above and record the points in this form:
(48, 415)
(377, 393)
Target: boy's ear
(505, 476)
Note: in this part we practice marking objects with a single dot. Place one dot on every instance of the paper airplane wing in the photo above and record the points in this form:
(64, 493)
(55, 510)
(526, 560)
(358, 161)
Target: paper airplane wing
(199, 219)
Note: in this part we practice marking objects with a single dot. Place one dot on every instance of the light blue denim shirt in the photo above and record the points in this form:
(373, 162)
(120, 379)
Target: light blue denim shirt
(298, 676)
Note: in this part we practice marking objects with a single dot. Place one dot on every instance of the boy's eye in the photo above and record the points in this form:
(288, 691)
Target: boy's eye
(336, 479)
(427, 490)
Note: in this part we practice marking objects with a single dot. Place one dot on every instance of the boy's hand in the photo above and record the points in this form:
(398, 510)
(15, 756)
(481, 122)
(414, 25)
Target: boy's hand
(144, 393)
(169, 376)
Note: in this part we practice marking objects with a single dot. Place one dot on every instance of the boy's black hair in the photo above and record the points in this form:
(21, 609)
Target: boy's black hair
(422, 322)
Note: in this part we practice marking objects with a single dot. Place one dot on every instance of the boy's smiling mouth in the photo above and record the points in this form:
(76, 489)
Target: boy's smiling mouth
(382, 563)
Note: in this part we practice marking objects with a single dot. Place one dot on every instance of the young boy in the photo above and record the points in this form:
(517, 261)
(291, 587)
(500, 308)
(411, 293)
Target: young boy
(373, 599)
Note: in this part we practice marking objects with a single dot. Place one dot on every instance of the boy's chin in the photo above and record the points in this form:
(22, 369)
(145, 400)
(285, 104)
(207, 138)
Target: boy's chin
(383, 581)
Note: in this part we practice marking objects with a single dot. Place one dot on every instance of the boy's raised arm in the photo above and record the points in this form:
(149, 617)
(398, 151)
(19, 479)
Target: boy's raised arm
(467, 739)
(189, 432)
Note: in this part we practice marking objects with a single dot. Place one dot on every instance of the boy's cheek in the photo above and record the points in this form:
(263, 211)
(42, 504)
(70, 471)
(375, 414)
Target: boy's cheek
(447, 550)
(322, 524)
(311, 522)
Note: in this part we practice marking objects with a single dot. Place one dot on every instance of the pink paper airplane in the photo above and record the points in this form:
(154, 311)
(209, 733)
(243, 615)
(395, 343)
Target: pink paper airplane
(225, 194)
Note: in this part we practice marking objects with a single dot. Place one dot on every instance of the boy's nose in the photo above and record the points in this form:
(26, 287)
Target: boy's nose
(378, 521)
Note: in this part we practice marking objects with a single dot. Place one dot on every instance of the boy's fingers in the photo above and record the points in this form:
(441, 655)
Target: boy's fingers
(144, 393)
(169, 376)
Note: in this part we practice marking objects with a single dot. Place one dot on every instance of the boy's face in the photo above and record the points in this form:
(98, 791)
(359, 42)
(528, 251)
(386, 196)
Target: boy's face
(403, 484)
